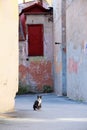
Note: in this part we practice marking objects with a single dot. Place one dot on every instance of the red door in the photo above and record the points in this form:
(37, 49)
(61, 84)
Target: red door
(35, 40)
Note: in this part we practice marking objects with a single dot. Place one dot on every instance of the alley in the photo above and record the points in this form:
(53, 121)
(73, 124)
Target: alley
(57, 113)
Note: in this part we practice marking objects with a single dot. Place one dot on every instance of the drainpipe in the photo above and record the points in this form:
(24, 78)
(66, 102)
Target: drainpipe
(64, 62)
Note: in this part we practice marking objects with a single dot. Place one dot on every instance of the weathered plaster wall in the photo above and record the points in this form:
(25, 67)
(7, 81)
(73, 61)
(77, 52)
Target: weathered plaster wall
(37, 71)
(37, 74)
(57, 47)
(8, 54)
(48, 32)
(77, 49)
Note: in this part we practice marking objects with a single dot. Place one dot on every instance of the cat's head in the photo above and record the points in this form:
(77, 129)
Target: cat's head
(39, 97)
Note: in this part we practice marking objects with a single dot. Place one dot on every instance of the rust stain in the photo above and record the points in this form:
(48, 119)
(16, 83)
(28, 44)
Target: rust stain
(59, 67)
(64, 49)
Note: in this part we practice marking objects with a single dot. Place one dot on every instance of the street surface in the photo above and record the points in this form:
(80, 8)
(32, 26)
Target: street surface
(57, 113)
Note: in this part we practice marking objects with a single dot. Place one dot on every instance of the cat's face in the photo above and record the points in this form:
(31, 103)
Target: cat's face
(39, 98)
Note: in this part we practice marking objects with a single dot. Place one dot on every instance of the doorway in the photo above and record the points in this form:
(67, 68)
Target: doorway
(35, 40)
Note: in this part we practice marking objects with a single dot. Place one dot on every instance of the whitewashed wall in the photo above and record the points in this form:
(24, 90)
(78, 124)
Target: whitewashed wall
(57, 47)
(77, 49)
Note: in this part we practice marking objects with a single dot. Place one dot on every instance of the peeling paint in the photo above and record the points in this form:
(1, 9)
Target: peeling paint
(38, 73)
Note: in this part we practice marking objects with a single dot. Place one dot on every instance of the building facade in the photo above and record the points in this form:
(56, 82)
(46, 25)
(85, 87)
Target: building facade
(70, 48)
(36, 48)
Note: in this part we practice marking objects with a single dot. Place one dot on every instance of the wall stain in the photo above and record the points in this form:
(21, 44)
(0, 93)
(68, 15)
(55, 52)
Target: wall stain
(72, 66)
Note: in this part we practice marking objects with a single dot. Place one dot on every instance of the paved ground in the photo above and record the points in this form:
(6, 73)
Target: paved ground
(57, 113)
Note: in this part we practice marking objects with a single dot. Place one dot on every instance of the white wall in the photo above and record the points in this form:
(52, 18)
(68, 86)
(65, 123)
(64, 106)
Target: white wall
(8, 54)
(76, 49)
(57, 47)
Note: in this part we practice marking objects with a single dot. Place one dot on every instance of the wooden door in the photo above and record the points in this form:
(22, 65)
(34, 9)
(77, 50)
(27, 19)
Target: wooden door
(35, 40)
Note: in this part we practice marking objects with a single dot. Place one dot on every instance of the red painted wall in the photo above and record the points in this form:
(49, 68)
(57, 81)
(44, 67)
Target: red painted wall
(39, 73)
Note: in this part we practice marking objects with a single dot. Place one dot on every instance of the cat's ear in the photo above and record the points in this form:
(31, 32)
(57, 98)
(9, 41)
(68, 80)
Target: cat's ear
(37, 97)
(40, 96)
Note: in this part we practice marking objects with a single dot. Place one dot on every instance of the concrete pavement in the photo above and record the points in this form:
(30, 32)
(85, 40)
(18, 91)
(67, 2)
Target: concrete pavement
(57, 113)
